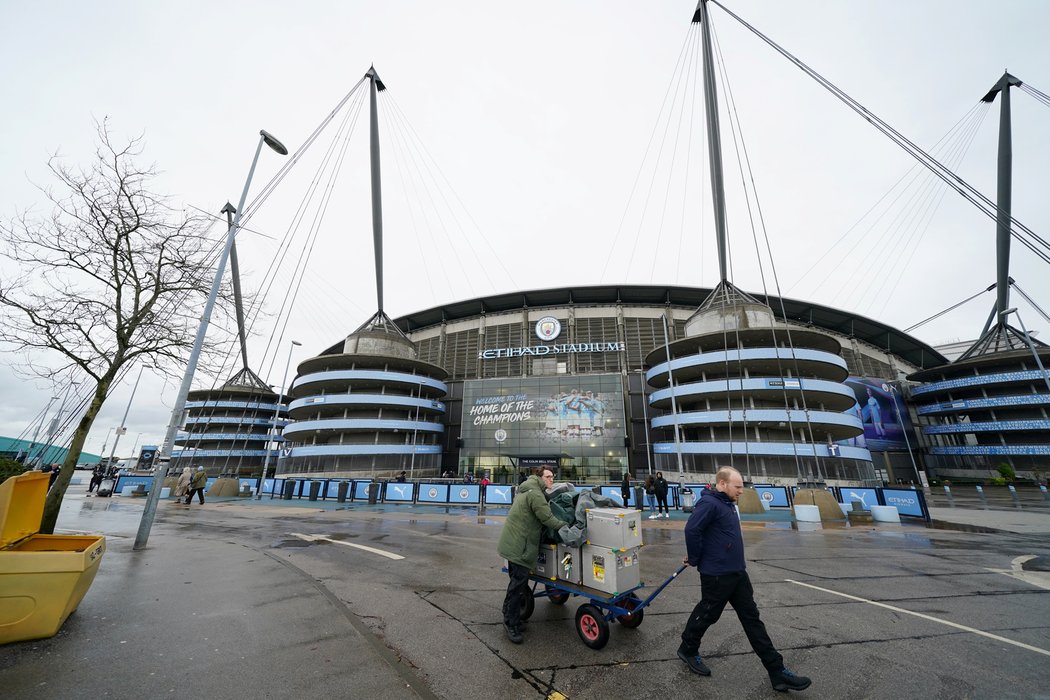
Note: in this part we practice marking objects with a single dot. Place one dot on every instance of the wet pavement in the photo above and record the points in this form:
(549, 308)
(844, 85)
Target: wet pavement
(281, 598)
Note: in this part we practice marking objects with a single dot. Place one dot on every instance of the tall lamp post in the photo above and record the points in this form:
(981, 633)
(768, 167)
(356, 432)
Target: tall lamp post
(150, 510)
(1028, 339)
(28, 459)
(123, 421)
(276, 417)
(53, 428)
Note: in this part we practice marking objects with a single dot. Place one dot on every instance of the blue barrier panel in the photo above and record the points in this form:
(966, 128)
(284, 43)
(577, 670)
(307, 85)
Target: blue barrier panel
(250, 483)
(773, 496)
(331, 489)
(268, 485)
(465, 493)
(433, 493)
(397, 492)
(499, 494)
(867, 496)
(360, 490)
(907, 501)
(614, 492)
(123, 481)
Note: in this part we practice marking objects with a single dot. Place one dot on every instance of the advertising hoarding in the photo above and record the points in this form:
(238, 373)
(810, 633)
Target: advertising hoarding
(543, 416)
(881, 409)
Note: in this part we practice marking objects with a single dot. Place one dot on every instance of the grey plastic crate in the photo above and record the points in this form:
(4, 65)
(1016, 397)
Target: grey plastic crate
(569, 565)
(547, 561)
(611, 570)
(617, 528)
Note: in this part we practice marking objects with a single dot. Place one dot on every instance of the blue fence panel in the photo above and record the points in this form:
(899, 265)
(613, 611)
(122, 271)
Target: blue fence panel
(867, 496)
(907, 501)
(397, 492)
(464, 493)
(433, 493)
(614, 492)
(499, 494)
(774, 496)
(123, 481)
(360, 490)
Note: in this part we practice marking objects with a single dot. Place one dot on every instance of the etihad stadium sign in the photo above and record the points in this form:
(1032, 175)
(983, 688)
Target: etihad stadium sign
(556, 349)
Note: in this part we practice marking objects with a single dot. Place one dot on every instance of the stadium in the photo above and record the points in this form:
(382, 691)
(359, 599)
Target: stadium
(572, 376)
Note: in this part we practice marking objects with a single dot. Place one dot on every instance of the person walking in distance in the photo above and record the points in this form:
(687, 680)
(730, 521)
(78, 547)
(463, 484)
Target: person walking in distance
(197, 484)
(715, 546)
(625, 488)
(97, 475)
(519, 543)
(182, 486)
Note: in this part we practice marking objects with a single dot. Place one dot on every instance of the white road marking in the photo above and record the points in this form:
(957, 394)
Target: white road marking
(964, 628)
(1041, 579)
(373, 550)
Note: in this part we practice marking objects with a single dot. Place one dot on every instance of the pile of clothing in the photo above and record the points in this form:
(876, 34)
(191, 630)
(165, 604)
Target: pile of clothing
(571, 506)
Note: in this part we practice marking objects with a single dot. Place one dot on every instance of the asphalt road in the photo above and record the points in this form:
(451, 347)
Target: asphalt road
(865, 612)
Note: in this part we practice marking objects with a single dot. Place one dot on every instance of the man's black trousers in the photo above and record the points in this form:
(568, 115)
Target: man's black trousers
(735, 589)
(517, 589)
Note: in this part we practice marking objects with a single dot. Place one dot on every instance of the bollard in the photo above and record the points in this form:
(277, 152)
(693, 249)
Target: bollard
(340, 494)
(948, 493)
(373, 493)
(289, 490)
(980, 494)
(1013, 495)
(1046, 496)
(315, 490)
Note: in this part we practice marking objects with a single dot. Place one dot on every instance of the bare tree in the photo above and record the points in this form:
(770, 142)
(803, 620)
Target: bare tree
(113, 276)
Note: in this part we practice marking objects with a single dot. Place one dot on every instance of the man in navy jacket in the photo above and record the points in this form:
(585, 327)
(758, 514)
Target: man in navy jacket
(715, 546)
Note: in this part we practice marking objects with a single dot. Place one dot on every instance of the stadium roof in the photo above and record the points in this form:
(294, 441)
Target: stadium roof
(806, 313)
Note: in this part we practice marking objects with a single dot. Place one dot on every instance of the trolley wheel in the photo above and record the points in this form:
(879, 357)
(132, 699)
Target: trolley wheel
(527, 607)
(557, 596)
(591, 626)
(634, 618)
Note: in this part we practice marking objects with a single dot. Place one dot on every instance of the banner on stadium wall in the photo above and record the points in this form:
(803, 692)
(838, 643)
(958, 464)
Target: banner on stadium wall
(881, 409)
(545, 416)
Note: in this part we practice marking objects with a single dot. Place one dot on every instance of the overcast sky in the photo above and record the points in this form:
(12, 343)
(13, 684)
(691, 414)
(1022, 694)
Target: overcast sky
(541, 118)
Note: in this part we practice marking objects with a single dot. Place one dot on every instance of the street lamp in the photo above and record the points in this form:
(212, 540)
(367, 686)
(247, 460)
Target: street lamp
(28, 459)
(276, 417)
(150, 510)
(1028, 339)
(54, 427)
(123, 421)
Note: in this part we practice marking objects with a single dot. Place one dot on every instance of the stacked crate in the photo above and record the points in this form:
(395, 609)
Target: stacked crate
(609, 558)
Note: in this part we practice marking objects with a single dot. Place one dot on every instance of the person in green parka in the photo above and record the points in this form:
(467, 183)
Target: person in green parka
(519, 543)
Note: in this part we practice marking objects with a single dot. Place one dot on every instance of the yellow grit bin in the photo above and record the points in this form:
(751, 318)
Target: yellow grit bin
(43, 578)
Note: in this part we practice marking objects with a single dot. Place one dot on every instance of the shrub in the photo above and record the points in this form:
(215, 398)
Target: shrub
(1006, 472)
(9, 468)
